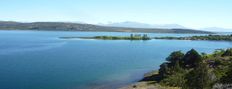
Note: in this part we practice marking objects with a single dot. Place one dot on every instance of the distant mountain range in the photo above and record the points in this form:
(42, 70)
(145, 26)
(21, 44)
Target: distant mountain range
(66, 26)
(217, 29)
(144, 25)
(163, 26)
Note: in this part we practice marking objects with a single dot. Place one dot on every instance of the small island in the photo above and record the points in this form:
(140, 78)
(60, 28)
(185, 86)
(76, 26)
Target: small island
(146, 37)
(131, 37)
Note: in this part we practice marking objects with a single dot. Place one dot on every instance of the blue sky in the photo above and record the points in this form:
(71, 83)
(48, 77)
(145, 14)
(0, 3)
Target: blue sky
(189, 13)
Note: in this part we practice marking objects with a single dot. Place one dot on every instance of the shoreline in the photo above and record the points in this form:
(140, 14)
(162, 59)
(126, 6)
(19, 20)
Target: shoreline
(122, 80)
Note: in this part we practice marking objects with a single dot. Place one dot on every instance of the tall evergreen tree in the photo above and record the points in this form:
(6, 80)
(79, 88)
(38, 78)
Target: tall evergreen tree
(191, 59)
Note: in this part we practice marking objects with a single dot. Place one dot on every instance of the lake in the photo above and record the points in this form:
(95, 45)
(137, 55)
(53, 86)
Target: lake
(40, 60)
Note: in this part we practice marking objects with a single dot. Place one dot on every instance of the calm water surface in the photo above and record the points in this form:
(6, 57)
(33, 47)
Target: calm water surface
(40, 60)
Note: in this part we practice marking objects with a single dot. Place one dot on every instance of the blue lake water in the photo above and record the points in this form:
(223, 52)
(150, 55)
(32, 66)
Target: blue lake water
(40, 60)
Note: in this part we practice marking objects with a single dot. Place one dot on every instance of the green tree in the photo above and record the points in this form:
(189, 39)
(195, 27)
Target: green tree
(199, 78)
(131, 36)
(164, 70)
(191, 59)
(167, 67)
(176, 77)
(145, 37)
(228, 52)
(175, 57)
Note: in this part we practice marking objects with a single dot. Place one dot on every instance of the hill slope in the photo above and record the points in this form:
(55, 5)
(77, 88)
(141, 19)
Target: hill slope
(62, 26)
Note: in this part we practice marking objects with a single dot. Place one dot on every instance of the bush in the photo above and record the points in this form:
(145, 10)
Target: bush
(199, 78)
(228, 52)
(177, 77)
(227, 79)
(175, 57)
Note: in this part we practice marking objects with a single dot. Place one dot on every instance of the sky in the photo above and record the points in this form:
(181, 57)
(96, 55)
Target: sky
(189, 13)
